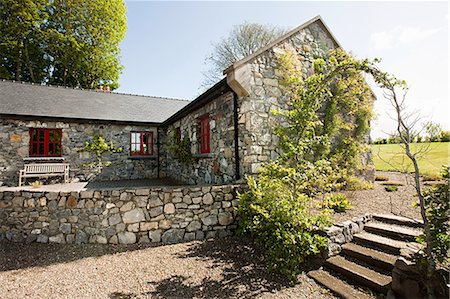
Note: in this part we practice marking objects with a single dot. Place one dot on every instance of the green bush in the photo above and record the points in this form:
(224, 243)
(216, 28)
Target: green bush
(391, 188)
(338, 202)
(437, 207)
(280, 221)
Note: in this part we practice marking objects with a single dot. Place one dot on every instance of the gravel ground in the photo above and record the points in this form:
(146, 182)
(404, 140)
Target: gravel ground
(225, 268)
(378, 200)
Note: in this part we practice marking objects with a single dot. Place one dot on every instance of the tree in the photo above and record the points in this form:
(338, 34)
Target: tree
(73, 42)
(433, 131)
(242, 40)
(83, 41)
(21, 44)
(433, 204)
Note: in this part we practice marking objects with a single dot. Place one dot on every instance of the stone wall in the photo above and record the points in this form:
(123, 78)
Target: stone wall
(167, 215)
(256, 121)
(14, 150)
(217, 167)
(341, 233)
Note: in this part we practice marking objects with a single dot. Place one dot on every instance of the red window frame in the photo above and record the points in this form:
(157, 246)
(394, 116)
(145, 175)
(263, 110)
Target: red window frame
(142, 144)
(45, 142)
(205, 146)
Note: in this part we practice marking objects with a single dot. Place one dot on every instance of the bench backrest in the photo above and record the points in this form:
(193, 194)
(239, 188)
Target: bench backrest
(46, 168)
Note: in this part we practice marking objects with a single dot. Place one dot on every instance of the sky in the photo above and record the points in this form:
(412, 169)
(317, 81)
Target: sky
(166, 44)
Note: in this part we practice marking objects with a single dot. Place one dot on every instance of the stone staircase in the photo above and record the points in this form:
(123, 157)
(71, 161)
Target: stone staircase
(364, 265)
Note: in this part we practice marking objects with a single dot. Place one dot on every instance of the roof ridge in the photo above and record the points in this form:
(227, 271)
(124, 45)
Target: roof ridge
(90, 90)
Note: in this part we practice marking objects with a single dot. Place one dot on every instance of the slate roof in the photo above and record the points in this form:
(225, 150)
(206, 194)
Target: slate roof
(25, 99)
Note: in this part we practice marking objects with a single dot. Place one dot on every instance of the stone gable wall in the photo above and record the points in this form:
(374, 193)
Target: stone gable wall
(167, 215)
(258, 144)
(14, 147)
(218, 167)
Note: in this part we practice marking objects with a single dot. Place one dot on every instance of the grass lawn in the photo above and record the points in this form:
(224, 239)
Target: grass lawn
(391, 157)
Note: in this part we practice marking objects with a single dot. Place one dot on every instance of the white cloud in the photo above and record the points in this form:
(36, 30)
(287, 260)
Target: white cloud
(400, 35)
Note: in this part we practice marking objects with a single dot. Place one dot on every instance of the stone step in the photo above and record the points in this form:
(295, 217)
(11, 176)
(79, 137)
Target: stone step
(394, 219)
(370, 256)
(393, 231)
(356, 273)
(382, 243)
(337, 286)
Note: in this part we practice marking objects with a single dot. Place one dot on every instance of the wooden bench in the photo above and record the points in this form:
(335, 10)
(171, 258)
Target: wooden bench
(44, 170)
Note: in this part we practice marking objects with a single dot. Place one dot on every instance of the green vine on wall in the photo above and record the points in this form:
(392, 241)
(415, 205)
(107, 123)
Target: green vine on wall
(99, 146)
(181, 148)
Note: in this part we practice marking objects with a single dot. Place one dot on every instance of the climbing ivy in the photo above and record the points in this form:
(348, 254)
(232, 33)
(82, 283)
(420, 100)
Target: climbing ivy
(99, 147)
(329, 115)
(180, 148)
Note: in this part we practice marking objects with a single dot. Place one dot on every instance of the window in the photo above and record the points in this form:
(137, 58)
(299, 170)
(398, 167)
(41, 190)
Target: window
(141, 144)
(204, 135)
(45, 142)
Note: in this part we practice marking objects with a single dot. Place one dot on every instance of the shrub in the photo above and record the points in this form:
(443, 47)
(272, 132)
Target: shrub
(437, 206)
(391, 188)
(337, 202)
(280, 221)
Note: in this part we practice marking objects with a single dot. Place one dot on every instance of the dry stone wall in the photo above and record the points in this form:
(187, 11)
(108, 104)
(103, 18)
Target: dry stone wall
(341, 233)
(167, 215)
(14, 150)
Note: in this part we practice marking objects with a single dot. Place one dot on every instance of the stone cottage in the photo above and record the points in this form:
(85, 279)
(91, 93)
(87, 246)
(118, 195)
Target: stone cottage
(229, 127)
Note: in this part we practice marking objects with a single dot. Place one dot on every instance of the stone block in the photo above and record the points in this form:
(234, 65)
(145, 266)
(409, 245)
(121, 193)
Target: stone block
(210, 220)
(193, 226)
(133, 227)
(65, 228)
(207, 199)
(126, 238)
(57, 239)
(133, 216)
(169, 208)
(115, 219)
(225, 218)
(172, 236)
(165, 224)
(155, 236)
(155, 211)
(146, 226)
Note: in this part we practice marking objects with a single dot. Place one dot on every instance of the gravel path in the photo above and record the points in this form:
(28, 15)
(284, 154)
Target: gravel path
(378, 200)
(226, 268)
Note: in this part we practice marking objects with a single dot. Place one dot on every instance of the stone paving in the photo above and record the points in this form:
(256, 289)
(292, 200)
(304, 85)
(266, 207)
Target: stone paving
(100, 185)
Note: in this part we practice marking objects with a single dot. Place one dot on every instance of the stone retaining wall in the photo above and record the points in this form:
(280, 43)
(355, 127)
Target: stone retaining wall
(167, 215)
(341, 233)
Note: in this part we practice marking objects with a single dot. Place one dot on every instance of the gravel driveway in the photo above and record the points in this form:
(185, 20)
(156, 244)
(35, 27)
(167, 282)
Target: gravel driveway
(225, 268)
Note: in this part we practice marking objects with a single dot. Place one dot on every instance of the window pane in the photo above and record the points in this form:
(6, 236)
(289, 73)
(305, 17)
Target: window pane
(133, 137)
(51, 135)
(34, 135)
(58, 149)
(51, 149)
(41, 149)
(41, 135)
(34, 149)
